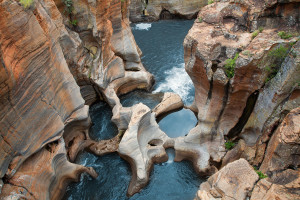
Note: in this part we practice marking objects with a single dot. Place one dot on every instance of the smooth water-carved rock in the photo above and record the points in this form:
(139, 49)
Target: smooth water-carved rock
(233, 182)
(45, 174)
(170, 102)
(142, 146)
(200, 148)
(39, 93)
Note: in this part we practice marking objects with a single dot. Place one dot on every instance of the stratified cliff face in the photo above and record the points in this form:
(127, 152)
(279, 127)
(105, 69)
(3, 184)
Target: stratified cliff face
(246, 74)
(54, 63)
(141, 10)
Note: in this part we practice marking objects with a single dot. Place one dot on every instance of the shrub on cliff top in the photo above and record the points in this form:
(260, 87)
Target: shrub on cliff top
(26, 3)
(230, 65)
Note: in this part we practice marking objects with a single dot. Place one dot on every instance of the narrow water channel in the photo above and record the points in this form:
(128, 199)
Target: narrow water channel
(161, 43)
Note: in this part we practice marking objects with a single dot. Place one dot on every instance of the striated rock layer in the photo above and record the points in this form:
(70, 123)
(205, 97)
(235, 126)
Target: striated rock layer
(55, 62)
(144, 10)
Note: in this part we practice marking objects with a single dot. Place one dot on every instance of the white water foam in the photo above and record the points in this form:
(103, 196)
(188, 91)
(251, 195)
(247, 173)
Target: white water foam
(177, 81)
(143, 26)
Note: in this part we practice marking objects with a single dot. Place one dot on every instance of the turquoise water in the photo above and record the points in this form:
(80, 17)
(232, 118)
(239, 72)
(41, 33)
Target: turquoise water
(161, 43)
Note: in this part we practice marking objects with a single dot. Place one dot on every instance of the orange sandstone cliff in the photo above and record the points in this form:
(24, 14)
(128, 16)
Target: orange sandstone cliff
(56, 59)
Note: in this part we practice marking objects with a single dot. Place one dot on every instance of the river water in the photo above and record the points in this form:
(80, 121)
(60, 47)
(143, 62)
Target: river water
(161, 43)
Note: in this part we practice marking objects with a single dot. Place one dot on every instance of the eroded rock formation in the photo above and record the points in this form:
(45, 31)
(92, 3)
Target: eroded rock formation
(246, 79)
(56, 60)
(142, 145)
(44, 175)
(144, 10)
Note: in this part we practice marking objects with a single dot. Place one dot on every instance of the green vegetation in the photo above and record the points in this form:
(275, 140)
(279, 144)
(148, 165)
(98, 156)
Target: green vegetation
(260, 174)
(255, 33)
(229, 145)
(277, 56)
(284, 35)
(69, 6)
(122, 1)
(279, 53)
(26, 3)
(200, 20)
(74, 22)
(210, 2)
(230, 65)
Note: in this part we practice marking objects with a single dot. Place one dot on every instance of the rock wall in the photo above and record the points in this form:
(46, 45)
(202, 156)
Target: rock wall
(246, 79)
(152, 10)
(55, 61)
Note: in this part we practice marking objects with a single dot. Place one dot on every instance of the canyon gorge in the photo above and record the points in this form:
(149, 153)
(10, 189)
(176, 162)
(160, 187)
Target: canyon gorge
(99, 91)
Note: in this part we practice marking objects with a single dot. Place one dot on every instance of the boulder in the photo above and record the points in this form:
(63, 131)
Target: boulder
(235, 181)
(170, 102)
(286, 187)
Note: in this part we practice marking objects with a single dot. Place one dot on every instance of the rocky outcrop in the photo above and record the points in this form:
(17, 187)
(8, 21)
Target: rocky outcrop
(39, 96)
(246, 81)
(284, 147)
(136, 10)
(235, 182)
(56, 60)
(285, 187)
(144, 10)
(203, 149)
(207, 47)
(44, 175)
(170, 103)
